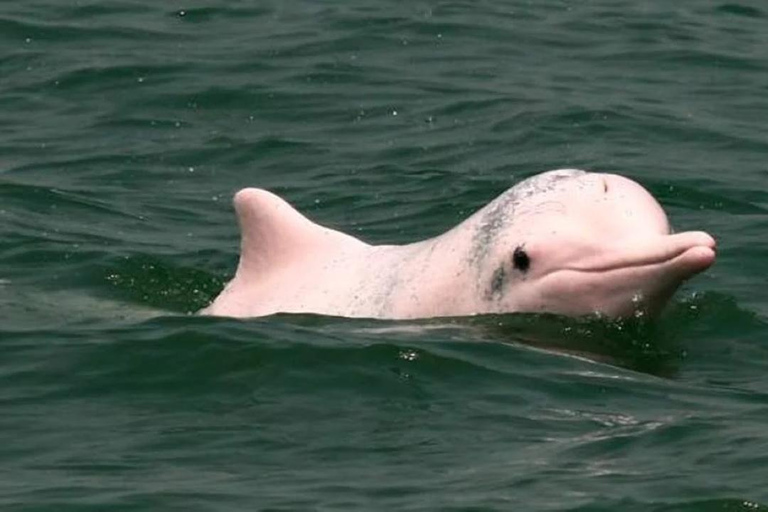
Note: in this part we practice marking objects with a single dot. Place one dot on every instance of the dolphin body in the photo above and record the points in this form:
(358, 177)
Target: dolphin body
(567, 242)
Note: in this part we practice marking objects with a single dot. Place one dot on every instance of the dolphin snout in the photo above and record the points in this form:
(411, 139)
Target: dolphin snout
(696, 252)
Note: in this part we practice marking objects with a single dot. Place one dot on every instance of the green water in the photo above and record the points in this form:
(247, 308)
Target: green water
(125, 128)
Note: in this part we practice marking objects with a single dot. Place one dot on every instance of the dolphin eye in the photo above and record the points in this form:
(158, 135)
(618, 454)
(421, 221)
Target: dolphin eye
(520, 259)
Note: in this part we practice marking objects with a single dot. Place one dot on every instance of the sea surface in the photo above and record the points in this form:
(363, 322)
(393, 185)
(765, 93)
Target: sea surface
(125, 129)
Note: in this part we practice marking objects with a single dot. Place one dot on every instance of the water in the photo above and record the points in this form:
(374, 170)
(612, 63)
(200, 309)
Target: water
(125, 129)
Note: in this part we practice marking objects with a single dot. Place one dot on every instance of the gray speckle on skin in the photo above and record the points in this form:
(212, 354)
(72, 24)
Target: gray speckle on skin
(500, 213)
(496, 289)
(386, 279)
(384, 297)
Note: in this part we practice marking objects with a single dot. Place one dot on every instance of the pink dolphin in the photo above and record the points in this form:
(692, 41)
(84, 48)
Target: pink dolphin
(566, 242)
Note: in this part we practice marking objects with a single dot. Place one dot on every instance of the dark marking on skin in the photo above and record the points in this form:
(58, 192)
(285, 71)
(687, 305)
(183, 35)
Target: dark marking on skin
(496, 290)
(500, 212)
(520, 261)
(497, 216)
(491, 224)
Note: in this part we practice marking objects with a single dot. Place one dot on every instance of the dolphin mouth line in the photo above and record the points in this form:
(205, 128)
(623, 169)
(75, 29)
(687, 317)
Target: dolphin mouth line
(656, 260)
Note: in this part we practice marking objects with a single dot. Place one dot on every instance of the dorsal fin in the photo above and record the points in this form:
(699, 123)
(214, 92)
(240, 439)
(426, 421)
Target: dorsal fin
(273, 233)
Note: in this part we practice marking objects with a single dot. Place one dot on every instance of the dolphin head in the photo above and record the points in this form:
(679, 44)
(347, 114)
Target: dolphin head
(587, 243)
